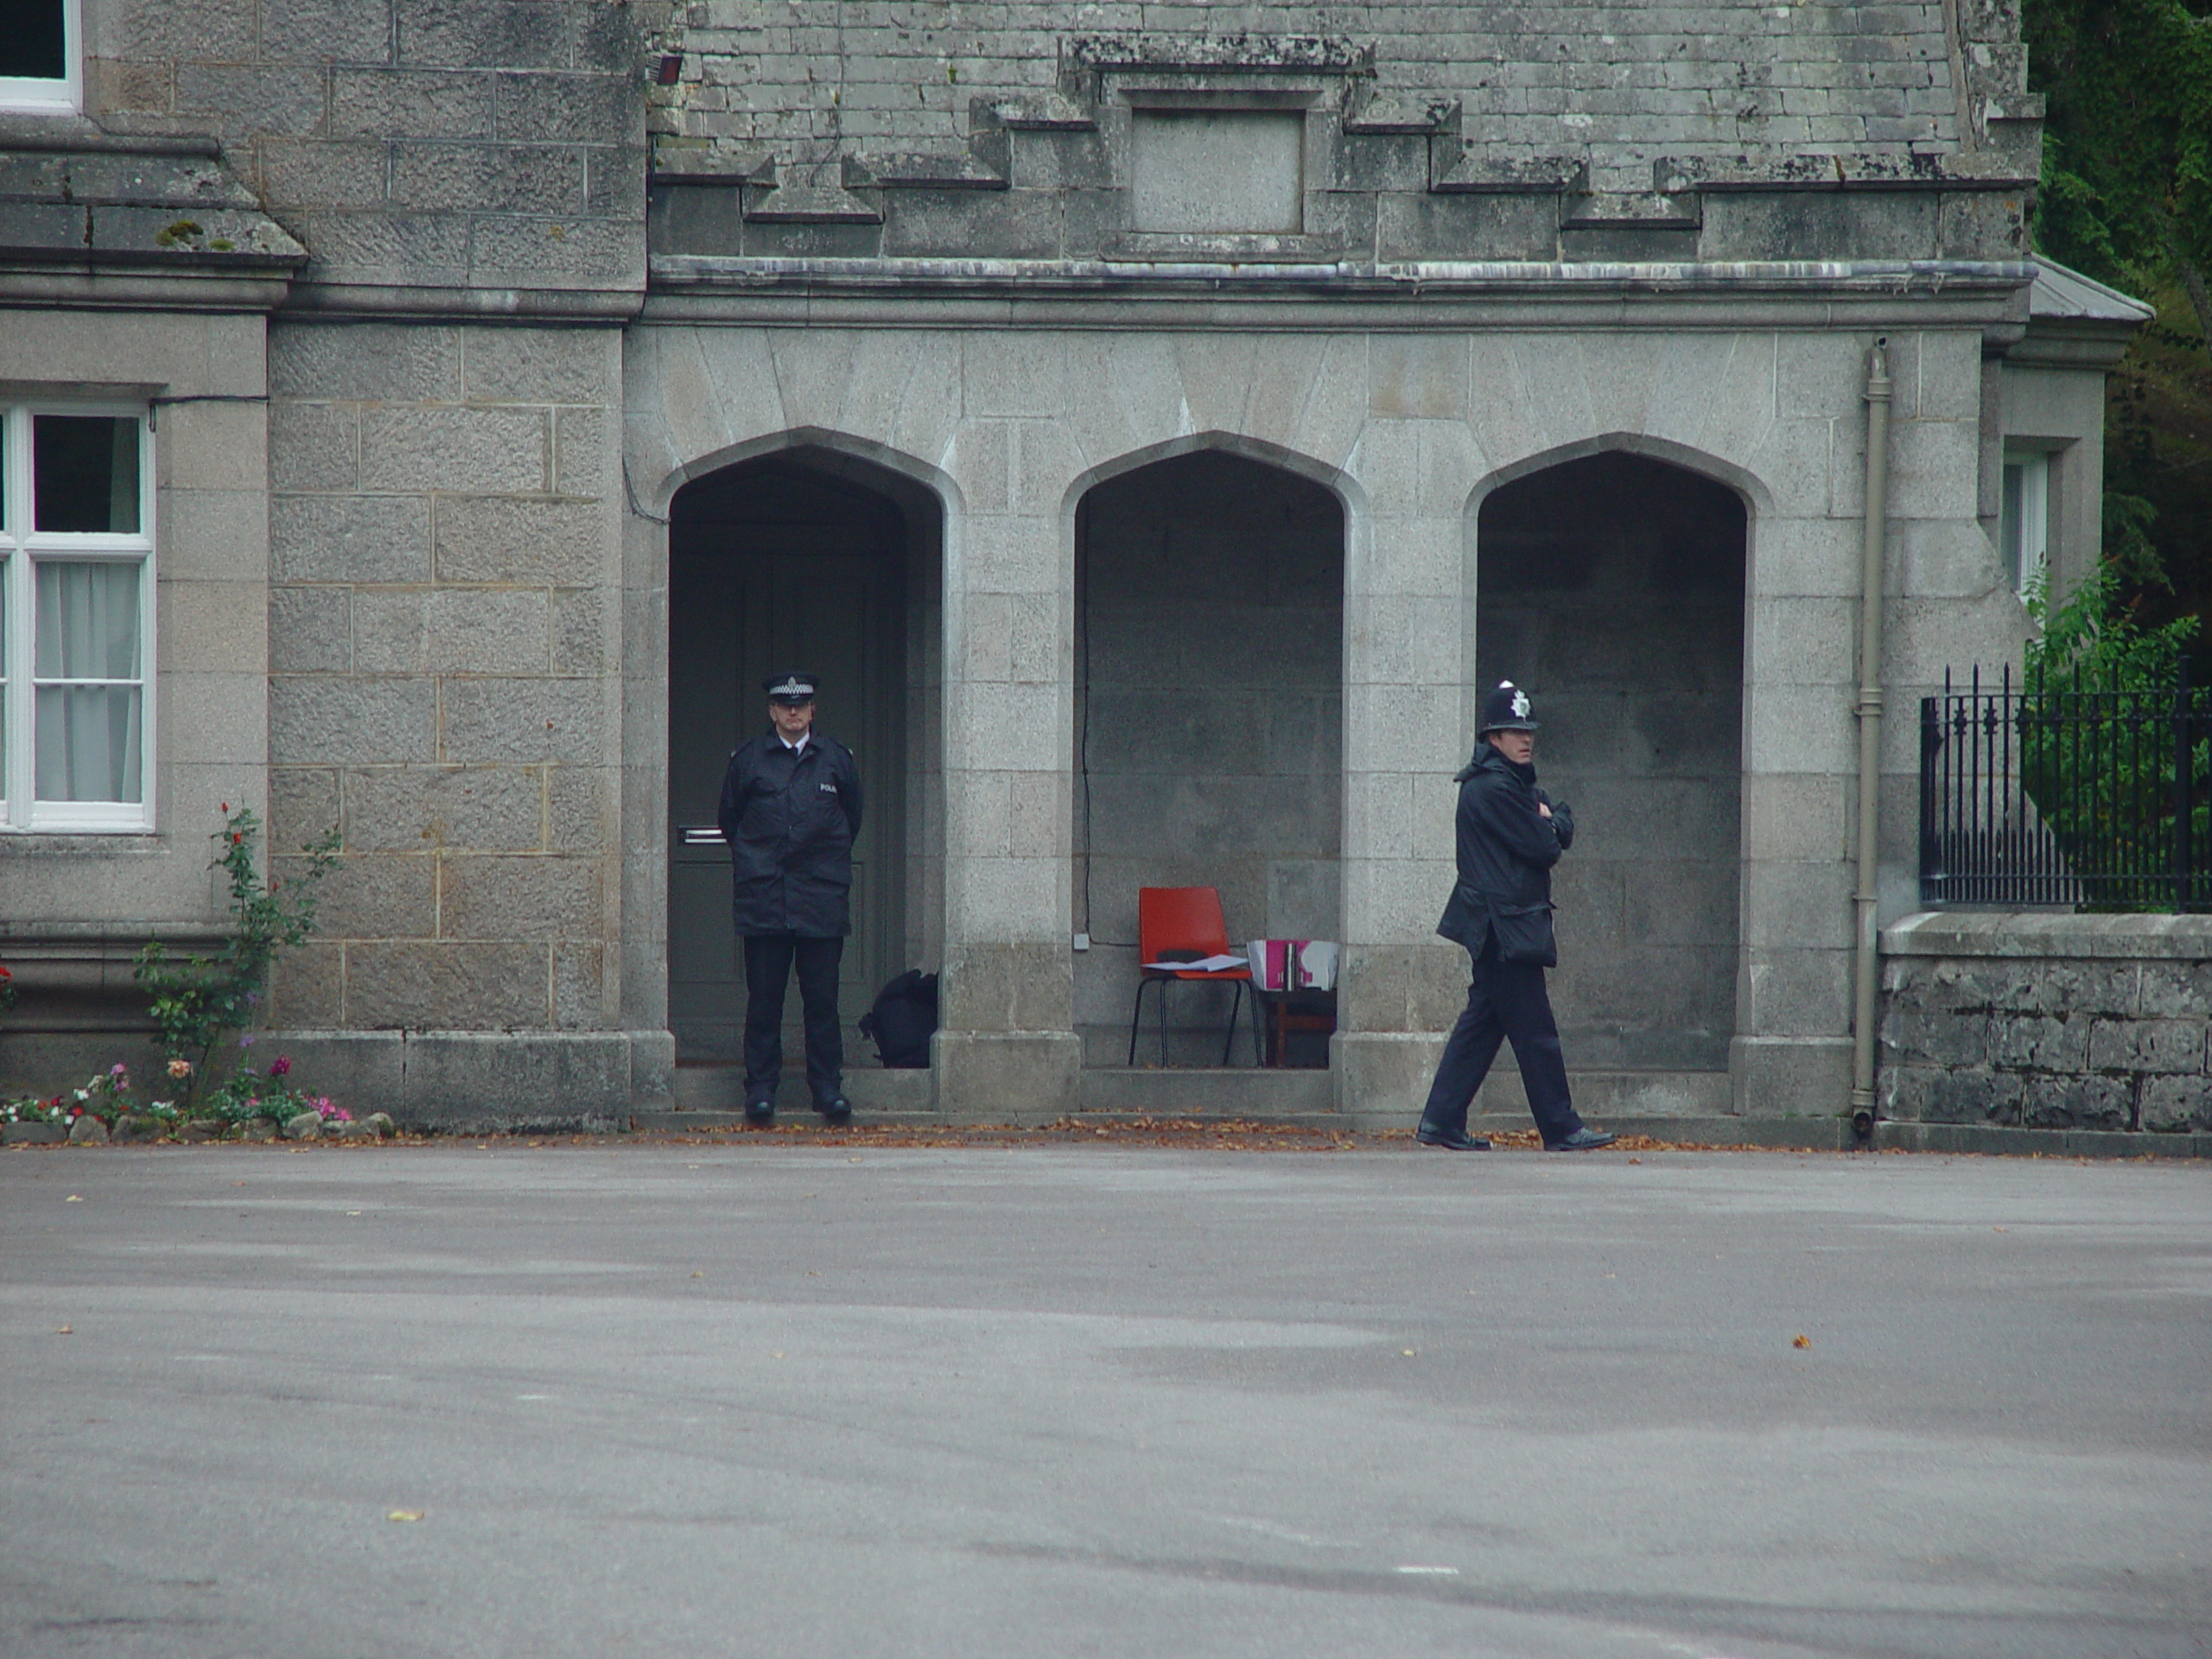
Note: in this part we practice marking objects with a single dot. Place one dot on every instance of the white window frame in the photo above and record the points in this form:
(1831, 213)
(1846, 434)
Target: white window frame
(35, 95)
(22, 549)
(2024, 533)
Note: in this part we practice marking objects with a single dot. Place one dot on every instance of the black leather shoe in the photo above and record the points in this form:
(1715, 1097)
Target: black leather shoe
(1450, 1140)
(836, 1110)
(1582, 1140)
(760, 1113)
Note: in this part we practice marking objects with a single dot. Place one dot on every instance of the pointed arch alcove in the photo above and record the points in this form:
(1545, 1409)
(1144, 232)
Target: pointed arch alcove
(1612, 585)
(1209, 589)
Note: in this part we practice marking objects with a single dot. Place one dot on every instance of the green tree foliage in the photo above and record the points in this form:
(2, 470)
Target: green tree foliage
(2127, 152)
(2098, 748)
(2127, 197)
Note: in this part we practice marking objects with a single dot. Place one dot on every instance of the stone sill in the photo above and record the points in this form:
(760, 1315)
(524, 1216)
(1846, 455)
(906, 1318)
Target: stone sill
(93, 957)
(2019, 934)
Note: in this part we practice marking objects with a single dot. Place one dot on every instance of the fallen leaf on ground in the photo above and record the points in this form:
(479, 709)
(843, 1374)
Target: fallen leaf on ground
(65, 1330)
(73, 1198)
(405, 1514)
(1801, 1341)
(698, 1276)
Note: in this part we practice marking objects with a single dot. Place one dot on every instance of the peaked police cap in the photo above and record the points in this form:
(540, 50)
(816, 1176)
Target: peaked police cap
(795, 686)
(1506, 709)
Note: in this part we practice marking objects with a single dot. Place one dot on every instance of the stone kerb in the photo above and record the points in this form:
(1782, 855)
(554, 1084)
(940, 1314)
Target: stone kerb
(2044, 1020)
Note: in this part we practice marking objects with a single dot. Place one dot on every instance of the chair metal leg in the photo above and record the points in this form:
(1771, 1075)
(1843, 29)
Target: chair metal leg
(1136, 1013)
(1259, 1029)
(1164, 984)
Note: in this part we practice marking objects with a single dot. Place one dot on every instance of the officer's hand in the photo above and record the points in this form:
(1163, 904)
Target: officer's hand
(1542, 810)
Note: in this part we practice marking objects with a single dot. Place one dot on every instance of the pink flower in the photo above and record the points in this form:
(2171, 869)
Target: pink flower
(118, 1071)
(283, 1063)
(180, 1068)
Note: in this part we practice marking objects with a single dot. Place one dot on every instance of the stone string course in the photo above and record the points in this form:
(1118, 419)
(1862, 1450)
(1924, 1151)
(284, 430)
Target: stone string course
(2100, 1025)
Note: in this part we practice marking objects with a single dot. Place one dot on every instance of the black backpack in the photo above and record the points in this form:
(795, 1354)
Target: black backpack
(903, 1019)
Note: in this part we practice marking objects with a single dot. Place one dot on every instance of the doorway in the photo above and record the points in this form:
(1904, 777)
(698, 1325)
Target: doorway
(813, 560)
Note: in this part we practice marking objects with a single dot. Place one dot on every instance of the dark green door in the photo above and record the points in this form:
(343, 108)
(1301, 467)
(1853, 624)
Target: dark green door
(751, 593)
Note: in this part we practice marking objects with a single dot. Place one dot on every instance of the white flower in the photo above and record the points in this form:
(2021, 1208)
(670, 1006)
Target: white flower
(82, 1095)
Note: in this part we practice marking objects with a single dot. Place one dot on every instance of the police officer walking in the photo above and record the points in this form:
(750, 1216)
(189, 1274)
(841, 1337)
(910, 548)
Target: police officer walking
(790, 808)
(1509, 835)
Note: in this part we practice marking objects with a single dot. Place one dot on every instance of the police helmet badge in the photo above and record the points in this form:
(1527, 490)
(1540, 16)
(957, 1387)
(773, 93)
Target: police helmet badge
(1506, 709)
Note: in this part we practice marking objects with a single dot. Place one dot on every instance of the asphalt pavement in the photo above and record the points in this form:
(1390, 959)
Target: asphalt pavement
(487, 1399)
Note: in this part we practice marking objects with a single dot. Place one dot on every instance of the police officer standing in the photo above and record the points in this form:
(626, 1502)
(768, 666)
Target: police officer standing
(1509, 835)
(790, 808)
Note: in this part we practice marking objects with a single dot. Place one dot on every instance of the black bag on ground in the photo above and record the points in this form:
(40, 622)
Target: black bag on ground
(903, 1019)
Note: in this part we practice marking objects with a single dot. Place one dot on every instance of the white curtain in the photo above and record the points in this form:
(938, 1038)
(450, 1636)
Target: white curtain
(89, 740)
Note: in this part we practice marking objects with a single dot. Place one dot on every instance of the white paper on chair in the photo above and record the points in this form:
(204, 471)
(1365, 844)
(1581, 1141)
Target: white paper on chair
(1202, 965)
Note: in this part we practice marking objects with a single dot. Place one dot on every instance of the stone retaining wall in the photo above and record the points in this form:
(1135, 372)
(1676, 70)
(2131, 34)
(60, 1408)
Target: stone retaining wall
(2048, 1022)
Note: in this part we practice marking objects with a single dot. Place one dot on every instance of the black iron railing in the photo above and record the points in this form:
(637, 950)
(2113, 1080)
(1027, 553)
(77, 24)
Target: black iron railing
(2036, 795)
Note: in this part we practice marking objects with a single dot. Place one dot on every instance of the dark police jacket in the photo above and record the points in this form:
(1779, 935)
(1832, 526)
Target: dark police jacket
(1506, 851)
(790, 822)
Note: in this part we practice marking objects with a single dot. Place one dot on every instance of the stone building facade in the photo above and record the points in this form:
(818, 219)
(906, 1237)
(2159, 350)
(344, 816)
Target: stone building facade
(1155, 422)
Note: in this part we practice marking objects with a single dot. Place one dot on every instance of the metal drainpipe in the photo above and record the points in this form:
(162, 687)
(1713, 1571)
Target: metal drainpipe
(1867, 964)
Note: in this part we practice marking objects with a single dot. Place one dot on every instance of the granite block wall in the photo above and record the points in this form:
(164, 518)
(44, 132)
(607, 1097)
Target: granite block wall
(1410, 432)
(1618, 85)
(443, 625)
(489, 149)
(75, 908)
(1381, 132)
(2049, 1021)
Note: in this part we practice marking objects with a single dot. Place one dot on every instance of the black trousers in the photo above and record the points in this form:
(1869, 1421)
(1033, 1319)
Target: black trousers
(768, 960)
(1506, 1001)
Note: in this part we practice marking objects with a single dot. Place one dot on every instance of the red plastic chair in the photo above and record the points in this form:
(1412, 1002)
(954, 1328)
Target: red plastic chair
(1185, 922)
